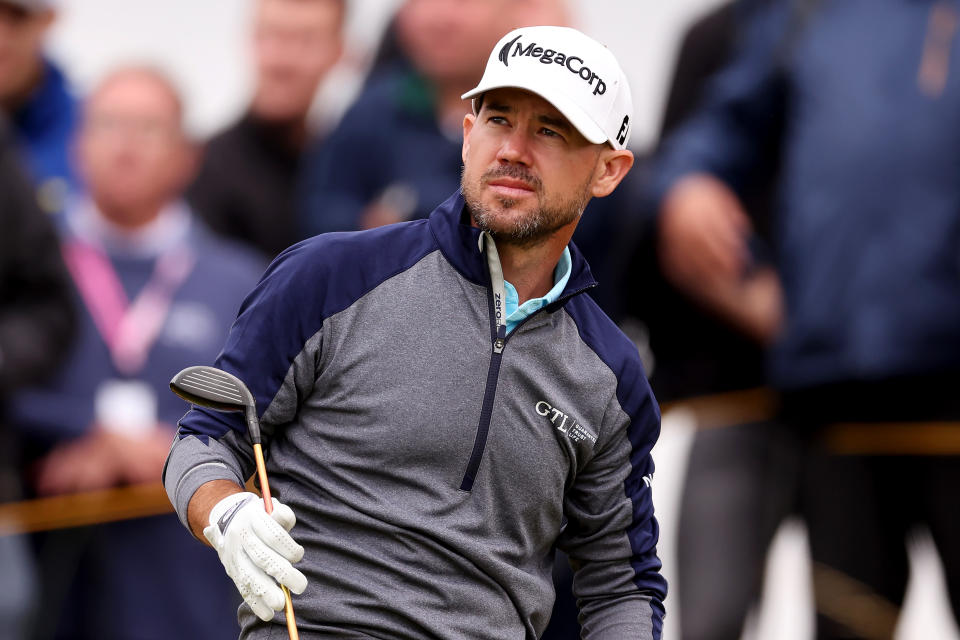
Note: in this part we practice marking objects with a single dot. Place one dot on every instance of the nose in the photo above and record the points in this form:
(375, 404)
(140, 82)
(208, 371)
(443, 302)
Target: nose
(515, 148)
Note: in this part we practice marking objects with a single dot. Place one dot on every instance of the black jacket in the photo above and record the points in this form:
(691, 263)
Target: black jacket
(36, 308)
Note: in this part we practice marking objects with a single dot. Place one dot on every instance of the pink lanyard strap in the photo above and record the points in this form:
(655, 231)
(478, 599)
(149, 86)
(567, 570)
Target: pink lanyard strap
(129, 330)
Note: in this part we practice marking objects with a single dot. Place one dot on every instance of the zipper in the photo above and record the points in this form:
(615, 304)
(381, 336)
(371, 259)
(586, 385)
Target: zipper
(498, 329)
(486, 412)
(499, 337)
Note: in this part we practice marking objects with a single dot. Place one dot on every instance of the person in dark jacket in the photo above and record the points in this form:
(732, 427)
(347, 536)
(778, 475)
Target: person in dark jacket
(865, 238)
(741, 479)
(155, 291)
(246, 184)
(35, 96)
(37, 318)
(37, 321)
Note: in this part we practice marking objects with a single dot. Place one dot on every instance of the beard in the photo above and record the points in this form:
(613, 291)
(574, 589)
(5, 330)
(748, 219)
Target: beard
(521, 229)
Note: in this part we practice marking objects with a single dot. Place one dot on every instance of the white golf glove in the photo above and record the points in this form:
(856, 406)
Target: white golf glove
(257, 550)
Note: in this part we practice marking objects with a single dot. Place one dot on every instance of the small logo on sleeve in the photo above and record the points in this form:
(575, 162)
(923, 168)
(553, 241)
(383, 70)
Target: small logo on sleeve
(564, 423)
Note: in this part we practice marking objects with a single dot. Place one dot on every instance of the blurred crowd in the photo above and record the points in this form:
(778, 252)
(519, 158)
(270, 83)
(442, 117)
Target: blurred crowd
(796, 227)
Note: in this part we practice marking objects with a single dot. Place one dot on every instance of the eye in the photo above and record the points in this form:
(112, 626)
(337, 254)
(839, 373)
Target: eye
(497, 120)
(550, 133)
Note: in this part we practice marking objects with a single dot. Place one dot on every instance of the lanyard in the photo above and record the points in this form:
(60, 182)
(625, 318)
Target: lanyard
(129, 329)
(489, 247)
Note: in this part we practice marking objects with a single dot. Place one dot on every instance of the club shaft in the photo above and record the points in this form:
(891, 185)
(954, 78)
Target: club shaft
(288, 611)
(262, 475)
(268, 506)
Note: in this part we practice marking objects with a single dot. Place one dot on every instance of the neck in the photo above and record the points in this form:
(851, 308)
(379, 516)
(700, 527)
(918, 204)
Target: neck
(20, 96)
(530, 269)
(129, 219)
(292, 130)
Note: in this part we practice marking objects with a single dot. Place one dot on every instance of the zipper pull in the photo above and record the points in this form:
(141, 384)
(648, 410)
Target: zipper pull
(498, 345)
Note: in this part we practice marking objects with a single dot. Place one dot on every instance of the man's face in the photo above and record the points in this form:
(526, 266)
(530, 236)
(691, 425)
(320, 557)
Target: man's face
(296, 42)
(21, 43)
(449, 40)
(527, 171)
(131, 149)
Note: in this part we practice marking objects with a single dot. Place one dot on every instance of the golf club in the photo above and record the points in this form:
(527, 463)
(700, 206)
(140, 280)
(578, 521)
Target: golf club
(216, 389)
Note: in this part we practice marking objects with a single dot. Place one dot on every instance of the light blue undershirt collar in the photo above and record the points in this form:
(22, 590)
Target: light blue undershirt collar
(515, 313)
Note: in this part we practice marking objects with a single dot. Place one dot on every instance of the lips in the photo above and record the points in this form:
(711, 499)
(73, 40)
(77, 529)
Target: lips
(511, 183)
(511, 187)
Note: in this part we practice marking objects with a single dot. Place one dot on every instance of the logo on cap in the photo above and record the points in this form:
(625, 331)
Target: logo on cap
(574, 64)
(624, 129)
(505, 51)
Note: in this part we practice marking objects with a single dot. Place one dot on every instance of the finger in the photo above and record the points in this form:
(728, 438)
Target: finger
(283, 515)
(53, 473)
(260, 609)
(256, 583)
(706, 266)
(697, 258)
(276, 537)
(729, 247)
(274, 565)
(716, 251)
(704, 227)
(734, 213)
(255, 602)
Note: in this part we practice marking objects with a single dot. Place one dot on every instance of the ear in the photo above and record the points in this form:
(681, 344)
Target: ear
(612, 166)
(468, 121)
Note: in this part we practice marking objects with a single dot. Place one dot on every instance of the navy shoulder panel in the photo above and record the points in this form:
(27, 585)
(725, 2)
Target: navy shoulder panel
(308, 283)
(636, 399)
(618, 352)
(305, 285)
(344, 266)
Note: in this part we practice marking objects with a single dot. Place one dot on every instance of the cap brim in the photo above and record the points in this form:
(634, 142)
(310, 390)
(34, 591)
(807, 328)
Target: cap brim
(570, 110)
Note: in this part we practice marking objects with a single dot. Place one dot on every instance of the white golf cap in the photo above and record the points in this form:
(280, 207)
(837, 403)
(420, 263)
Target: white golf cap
(573, 72)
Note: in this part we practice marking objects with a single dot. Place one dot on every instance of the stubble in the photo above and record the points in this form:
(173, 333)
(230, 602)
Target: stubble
(522, 230)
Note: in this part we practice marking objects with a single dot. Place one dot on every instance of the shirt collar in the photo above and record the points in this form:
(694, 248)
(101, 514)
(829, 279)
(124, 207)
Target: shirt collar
(169, 229)
(516, 313)
(458, 241)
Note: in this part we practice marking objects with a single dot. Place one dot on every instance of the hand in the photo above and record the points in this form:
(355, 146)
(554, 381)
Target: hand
(703, 252)
(757, 308)
(256, 550)
(139, 457)
(702, 233)
(104, 458)
(83, 464)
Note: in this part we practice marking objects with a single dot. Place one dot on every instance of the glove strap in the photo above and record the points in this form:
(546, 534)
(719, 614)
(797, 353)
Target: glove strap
(224, 521)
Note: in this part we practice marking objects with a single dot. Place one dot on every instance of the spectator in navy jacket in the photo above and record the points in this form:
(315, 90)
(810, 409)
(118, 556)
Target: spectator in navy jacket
(34, 94)
(741, 480)
(862, 96)
(36, 325)
(156, 292)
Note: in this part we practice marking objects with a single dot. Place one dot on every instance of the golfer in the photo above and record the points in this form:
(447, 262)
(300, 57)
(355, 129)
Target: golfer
(442, 405)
